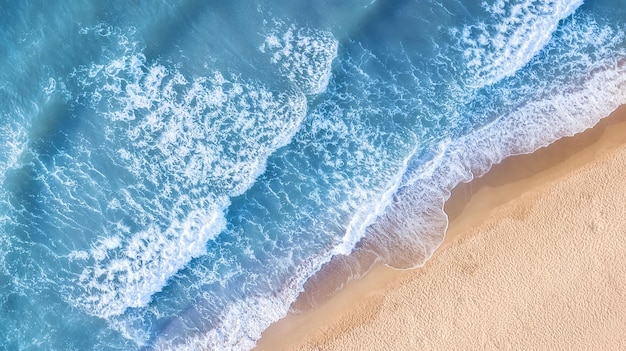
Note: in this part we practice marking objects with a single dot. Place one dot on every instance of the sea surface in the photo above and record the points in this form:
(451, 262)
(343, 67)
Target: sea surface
(173, 172)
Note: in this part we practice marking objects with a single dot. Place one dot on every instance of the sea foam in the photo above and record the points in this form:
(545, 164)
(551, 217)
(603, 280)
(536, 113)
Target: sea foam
(304, 56)
(125, 273)
(512, 35)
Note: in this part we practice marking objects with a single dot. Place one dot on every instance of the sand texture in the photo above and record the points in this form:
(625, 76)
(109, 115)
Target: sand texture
(536, 261)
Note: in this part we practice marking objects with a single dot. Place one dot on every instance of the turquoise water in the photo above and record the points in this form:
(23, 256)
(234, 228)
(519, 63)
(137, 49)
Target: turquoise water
(172, 173)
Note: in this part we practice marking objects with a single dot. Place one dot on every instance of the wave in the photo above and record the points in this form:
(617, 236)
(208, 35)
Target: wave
(192, 142)
(511, 36)
(303, 55)
(122, 273)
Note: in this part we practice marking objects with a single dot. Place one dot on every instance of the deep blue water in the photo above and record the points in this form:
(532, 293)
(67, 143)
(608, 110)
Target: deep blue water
(172, 173)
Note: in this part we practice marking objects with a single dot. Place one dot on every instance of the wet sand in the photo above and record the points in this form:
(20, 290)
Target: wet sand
(534, 258)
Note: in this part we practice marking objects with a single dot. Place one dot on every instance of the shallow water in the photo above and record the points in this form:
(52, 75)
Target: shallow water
(173, 173)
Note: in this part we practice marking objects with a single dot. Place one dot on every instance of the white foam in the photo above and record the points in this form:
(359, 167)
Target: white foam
(122, 273)
(14, 141)
(78, 255)
(50, 88)
(367, 213)
(520, 29)
(304, 55)
(192, 123)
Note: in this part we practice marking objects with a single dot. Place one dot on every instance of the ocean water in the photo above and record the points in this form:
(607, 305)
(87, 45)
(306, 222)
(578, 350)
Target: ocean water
(173, 172)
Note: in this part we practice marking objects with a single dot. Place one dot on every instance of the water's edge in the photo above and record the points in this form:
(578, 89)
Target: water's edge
(332, 296)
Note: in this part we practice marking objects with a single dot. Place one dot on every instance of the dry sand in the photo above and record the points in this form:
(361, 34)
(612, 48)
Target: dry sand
(535, 259)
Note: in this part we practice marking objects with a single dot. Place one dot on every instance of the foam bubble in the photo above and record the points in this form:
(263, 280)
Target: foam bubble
(304, 56)
(123, 273)
(194, 124)
(50, 87)
(514, 33)
(13, 141)
(368, 212)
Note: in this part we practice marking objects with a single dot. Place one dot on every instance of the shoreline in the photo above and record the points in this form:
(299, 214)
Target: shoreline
(505, 187)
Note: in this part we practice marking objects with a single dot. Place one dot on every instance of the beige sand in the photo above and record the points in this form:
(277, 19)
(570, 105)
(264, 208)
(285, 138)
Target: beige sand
(535, 260)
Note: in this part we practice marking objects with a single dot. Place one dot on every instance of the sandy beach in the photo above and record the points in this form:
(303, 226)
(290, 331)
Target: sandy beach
(534, 259)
